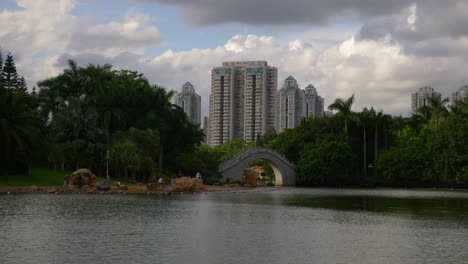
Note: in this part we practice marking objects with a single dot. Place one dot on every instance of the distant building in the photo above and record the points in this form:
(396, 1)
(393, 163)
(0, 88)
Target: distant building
(293, 104)
(289, 105)
(461, 94)
(190, 102)
(242, 100)
(313, 103)
(421, 98)
(206, 129)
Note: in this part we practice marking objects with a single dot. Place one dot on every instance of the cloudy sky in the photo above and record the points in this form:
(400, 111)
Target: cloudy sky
(380, 50)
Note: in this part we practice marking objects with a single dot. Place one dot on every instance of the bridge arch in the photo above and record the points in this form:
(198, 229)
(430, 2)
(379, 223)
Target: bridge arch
(285, 174)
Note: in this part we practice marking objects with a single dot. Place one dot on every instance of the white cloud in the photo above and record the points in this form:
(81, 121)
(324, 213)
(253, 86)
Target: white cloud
(382, 64)
(42, 30)
(133, 33)
(376, 71)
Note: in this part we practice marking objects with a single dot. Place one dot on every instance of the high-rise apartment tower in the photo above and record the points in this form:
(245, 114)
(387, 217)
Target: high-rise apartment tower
(242, 100)
(461, 94)
(190, 102)
(421, 98)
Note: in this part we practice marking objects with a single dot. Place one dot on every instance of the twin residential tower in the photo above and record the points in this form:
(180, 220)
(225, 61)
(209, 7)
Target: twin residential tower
(245, 102)
(242, 101)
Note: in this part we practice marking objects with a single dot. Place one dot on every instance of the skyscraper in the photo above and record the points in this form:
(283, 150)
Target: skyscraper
(190, 102)
(461, 94)
(293, 104)
(242, 100)
(421, 98)
(289, 105)
(313, 103)
(206, 130)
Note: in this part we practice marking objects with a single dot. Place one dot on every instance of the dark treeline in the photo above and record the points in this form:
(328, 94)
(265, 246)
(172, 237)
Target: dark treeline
(87, 114)
(370, 148)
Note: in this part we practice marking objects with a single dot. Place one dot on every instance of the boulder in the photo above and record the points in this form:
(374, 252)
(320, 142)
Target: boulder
(250, 176)
(186, 184)
(87, 177)
(103, 186)
(153, 187)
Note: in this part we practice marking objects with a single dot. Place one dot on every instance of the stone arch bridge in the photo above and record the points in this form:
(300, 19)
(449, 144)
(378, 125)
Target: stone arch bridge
(285, 174)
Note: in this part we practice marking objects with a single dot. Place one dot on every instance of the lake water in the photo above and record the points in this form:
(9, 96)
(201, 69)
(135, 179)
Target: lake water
(289, 225)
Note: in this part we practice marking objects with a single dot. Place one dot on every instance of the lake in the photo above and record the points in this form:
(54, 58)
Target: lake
(263, 225)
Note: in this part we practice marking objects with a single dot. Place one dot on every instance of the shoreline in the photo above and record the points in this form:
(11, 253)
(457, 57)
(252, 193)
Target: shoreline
(142, 189)
(133, 189)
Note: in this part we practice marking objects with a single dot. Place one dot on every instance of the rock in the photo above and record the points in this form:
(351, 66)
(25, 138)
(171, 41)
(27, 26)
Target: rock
(154, 187)
(186, 184)
(87, 177)
(103, 186)
(121, 188)
(250, 176)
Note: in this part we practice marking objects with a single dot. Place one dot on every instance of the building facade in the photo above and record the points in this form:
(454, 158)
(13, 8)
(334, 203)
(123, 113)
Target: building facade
(420, 98)
(190, 102)
(461, 94)
(294, 104)
(242, 100)
(289, 105)
(206, 130)
(313, 103)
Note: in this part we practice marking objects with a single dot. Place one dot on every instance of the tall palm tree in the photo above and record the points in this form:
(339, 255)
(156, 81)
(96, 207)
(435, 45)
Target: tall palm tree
(381, 121)
(344, 108)
(365, 120)
(438, 109)
(76, 123)
(460, 108)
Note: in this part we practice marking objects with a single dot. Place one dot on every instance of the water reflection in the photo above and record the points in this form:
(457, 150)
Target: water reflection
(258, 226)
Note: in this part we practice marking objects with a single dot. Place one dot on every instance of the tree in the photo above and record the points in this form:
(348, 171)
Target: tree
(20, 129)
(22, 84)
(9, 74)
(344, 108)
(438, 109)
(1, 67)
(76, 123)
(381, 122)
(460, 108)
(327, 162)
(365, 120)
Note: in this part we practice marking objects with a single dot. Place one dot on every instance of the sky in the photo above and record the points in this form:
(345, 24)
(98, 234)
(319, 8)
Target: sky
(381, 51)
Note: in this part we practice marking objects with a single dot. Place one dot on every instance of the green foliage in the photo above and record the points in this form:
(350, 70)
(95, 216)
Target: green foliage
(133, 154)
(264, 140)
(20, 130)
(344, 109)
(40, 176)
(232, 148)
(94, 108)
(9, 74)
(431, 150)
(407, 163)
(325, 162)
(81, 114)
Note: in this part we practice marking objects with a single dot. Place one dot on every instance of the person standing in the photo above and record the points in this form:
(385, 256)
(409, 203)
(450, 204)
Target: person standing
(161, 183)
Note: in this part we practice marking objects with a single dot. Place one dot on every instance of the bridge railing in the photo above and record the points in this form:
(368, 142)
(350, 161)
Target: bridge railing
(234, 160)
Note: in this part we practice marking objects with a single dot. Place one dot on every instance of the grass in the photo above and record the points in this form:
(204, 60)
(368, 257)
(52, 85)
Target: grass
(40, 176)
(43, 176)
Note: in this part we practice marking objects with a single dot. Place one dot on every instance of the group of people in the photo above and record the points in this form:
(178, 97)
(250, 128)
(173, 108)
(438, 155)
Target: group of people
(179, 174)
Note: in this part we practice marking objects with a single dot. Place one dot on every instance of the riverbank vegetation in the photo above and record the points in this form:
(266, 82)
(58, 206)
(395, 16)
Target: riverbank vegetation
(370, 148)
(95, 115)
(88, 116)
